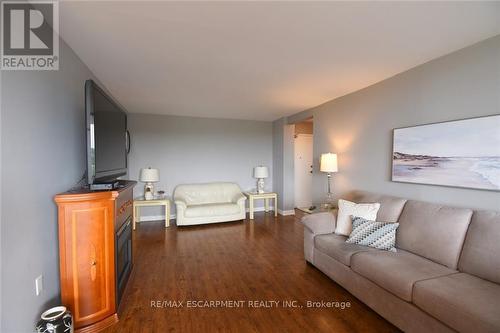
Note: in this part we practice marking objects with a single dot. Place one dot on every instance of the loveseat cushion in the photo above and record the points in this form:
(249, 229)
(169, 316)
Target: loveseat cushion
(390, 207)
(335, 246)
(464, 302)
(433, 231)
(481, 251)
(215, 209)
(398, 271)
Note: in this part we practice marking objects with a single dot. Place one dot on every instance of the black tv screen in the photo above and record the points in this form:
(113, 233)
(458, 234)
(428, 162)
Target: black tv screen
(107, 136)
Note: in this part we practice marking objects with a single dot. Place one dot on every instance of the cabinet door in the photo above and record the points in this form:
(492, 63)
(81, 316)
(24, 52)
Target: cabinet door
(87, 260)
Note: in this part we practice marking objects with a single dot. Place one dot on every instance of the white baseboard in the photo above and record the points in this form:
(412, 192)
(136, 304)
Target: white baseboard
(150, 218)
(260, 209)
(286, 212)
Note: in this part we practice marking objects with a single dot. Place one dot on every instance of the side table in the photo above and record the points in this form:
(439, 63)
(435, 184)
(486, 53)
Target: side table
(141, 202)
(266, 196)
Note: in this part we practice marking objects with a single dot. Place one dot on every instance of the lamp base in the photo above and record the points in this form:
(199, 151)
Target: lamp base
(149, 191)
(260, 186)
(328, 206)
(329, 194)
(329, 199)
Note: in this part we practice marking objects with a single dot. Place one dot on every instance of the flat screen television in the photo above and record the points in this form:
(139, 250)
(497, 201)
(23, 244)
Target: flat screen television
(108, 141)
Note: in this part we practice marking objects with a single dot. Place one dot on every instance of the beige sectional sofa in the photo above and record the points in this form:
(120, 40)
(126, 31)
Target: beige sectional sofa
(444, 277)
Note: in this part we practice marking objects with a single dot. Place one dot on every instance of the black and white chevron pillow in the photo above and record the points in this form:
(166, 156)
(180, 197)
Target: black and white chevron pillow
(379, 235)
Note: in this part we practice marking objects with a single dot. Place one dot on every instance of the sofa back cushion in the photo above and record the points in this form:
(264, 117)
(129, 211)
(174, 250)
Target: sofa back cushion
(390, 207)
(433, 231)
(207, 193)
(481, 250)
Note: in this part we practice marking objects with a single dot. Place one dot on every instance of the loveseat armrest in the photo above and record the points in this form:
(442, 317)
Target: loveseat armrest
(180, 203)
(238, 198)
(320, 223)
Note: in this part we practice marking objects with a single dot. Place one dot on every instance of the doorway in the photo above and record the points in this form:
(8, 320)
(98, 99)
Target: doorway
(303, 163)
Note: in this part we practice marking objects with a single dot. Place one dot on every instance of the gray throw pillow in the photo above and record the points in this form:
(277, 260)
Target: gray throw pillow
(380, 235)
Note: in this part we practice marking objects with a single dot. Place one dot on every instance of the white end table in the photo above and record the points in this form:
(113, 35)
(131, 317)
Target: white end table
(141, 202)
(266, 196)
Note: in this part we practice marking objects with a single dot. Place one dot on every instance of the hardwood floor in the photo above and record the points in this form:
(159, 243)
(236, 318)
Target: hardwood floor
(260, 260)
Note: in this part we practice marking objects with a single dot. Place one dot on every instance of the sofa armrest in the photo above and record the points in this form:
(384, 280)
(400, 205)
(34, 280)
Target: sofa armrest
(320, 223)
(239, 197)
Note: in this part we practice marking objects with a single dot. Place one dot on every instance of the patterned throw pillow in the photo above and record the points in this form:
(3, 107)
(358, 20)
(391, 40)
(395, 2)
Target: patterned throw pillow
(379, 235)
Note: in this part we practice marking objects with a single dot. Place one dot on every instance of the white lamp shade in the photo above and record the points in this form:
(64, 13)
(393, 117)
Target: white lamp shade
(149, 175)
(260, 172)
(328, 163)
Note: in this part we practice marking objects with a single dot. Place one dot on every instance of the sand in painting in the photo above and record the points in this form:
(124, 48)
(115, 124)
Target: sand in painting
(476, 172)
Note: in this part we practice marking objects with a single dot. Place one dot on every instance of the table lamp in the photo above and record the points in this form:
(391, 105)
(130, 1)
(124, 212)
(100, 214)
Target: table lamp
(260, 172)
(149, 176)
(328, 164)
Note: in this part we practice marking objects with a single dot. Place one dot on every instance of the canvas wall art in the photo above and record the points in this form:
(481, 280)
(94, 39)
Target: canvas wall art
(462, 153)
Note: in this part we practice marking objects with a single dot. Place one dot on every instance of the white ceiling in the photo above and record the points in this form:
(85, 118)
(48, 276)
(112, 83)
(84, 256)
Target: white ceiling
(261, 60)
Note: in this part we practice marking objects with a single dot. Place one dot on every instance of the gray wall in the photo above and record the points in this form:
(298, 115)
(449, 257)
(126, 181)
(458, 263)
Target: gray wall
(1, 187)
(283, 140)
(288, 174)
(358, 127)
(194, 150)
(42, 153)
(278, 158)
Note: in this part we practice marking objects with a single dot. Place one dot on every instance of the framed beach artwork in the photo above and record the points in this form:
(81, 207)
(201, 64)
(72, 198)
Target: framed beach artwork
(461, 153)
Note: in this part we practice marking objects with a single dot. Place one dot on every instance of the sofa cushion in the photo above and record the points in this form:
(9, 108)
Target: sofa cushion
(462, 301)
(481, 250)
(396, 272)
(433, 231)
(390, 207)
(219, 209)
(335, 246)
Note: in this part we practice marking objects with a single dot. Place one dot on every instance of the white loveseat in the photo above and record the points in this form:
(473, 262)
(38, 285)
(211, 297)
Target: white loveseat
(209, 203)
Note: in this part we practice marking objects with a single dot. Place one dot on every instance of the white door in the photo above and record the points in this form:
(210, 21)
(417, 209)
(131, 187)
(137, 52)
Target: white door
(303, 168)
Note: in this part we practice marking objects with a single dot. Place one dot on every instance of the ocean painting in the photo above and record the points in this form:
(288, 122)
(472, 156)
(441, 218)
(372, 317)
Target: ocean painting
(462, 153)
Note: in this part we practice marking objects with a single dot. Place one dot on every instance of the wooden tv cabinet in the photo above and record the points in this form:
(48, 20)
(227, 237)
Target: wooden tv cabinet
(93, 242)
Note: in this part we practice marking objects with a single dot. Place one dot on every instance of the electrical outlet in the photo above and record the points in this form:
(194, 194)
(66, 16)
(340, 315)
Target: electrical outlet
(39, 285)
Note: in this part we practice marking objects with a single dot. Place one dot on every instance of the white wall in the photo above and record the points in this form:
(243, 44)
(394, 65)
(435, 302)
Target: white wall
(358, 127)
(195, 150)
